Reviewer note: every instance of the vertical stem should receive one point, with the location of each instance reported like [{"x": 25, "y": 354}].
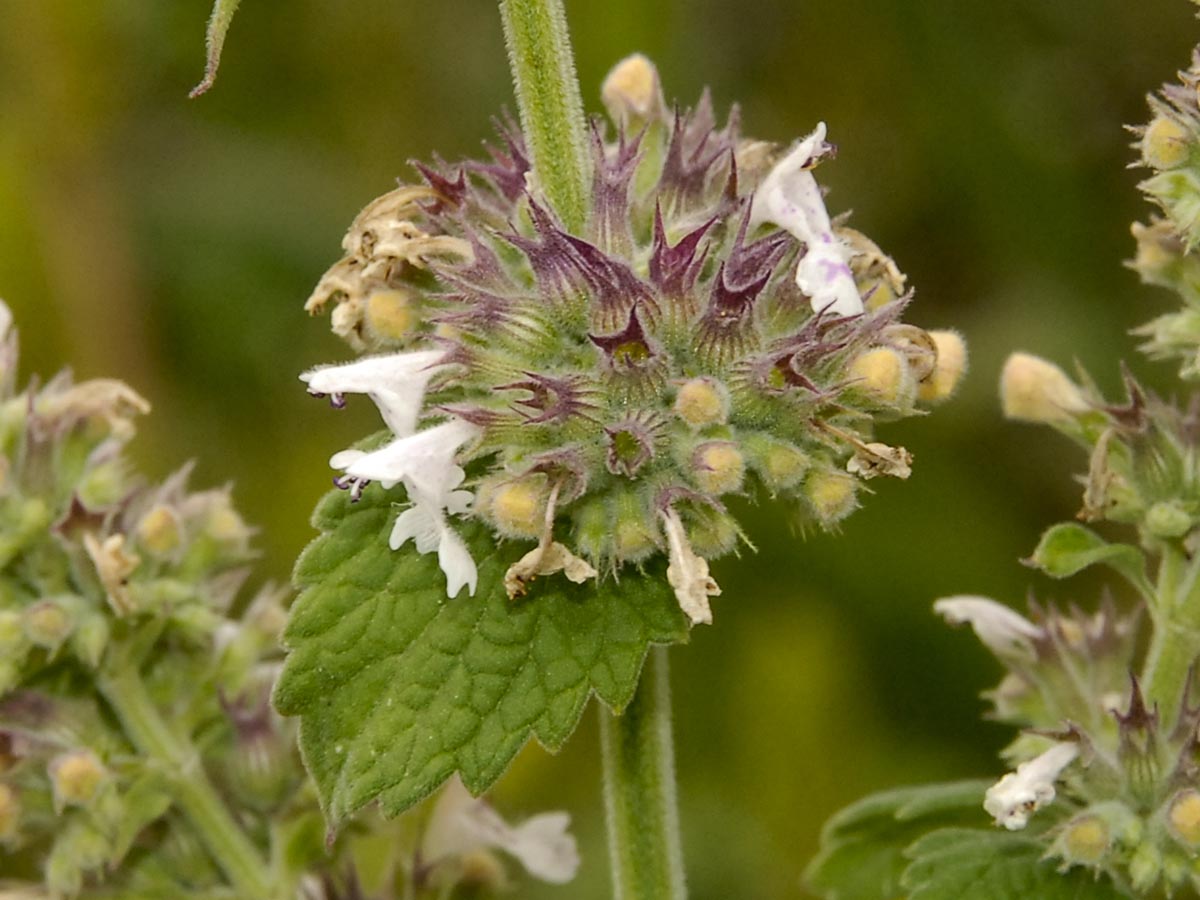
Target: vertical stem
[
  {"x": 1176, "y": 634},
  {"x": 539, "y": 53},
  {"x": 639, "y": 791},
  {"x": 221, "y": 835}
]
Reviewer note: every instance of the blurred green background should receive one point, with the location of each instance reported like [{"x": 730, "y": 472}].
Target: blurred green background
[{"x": 171, "y": 243}]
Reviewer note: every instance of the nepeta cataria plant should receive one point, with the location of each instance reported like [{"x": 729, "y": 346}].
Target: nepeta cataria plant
[
  {"x": 1104, "y": 796},
  {"x": 581, "y": 347}
]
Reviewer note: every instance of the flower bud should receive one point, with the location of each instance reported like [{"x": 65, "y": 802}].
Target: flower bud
[
  {"x": 831, "y": 494},
  {"x": 947, "y": 372},
  {"x": 884, "y": 374},
  {"x": 10, "y": 814},
  {"x": 48, "y": 623},
  {"x": 482, "y": 869},
  {"x": 711, "y": 532},
  {"x": 1085, "y": 840},
  {"x": 1168, "y": 519},
  {"x": 160, "y": 530},
  {"x": 780, "y": 465},
  {"x": 701, "y": 402},
  {"x": 1183, "y": 818},
  {"x": 12, "y": 634},
  {"x": 1166, "y": 143},
  {"x": 391, "y": 315},
  {"x": 718, "y": 467},
  {"x": 90, "y": 638},
  {"x": 633, "y": 538},
  {"x": 225, "y": 525},
  {"x": 1034, "y": 390},
  {"x": 631, "y": 91},
  {"x": 518, "y": 507},
  {"x": 75, "y": 776},
  {"x": 1145, "y": 867}
]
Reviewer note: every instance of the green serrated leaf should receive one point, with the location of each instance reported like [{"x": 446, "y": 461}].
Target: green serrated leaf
[
  {"x": 862, "y": 847},
  {"x": 991, "y": 864},
  {"x": 397, "y": 687},
  {"x": 1068, "y": 548}
]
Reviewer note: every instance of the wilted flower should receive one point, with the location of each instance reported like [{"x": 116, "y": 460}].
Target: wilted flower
[{"x": 606, "y": 390}]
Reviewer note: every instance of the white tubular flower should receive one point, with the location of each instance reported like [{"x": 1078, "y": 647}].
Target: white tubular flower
[
  {"x": 1018, "y": 795},
  {"x": 461, "y": 824},
  {"x": 687, "y": 573},
  {"x": 425, "y": 524},
  {"x": 1003, "y": 631},
  {"x": 396, "y": 383},
  {"x": 791, "y": 198},
  {"x": 422, "y": 461}
]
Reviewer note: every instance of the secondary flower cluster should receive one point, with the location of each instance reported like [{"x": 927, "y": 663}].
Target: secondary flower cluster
[{"x": 710, "y": 331}]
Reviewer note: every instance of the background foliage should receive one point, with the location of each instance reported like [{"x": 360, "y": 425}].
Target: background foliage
[{"x": 172, "y": 243}]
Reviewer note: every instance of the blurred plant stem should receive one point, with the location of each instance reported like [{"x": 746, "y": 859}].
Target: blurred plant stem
[
  {"x": 639, "y": 791},
  {"x": 1175, "y": 643},
  {"x": 221, "y": 835},
  {"x": 543, "y": 68}
]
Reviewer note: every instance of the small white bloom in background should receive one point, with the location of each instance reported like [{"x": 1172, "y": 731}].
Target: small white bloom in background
[
  {"x": 396, "y": 383},
  {"x": 1018, "y": 795},
  {"x": 1003, "y": 631},
  {"x": 687, "y": 573},
  {"x": 791, "y": 198},
  {"x": 460, "y": 824}
]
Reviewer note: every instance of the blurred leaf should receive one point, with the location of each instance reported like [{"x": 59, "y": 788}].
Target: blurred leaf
[
  {"x": 862, "y": 847},
  {"x": 398, "y": 687},
  {"x": 218, "y": 25},
  {"x": 1068, "y": 548},
  {"x": 991, "y": 864}
]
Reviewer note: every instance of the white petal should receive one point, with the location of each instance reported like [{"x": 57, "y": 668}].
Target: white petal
[
  {"x": 395, "y": 382},
  {"x": 1016, "y": 796},
  {"x": 425, "y": 458},
  {"x": 343, "y": 459},
  {"x": 417, "y": 524},
  {"x": 455, "y": 560},
  {"x": 791, "y": 198},
  {"x": 1003, "y": 631},
  {"x": 542, "y": 843}
]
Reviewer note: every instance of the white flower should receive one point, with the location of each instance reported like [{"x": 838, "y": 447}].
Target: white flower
[
  {"x": 1004, "y": 632},
  {"x": 425, "y": 524},
  {"x": 687, "y": 573},
  {"x": 461, "y": 824},
  {"x": 1016, "y": 796},
  {"x": 395, "y": 382},
  {"x": 424, "y": 462},
  {"x": 791, "y": 198}
]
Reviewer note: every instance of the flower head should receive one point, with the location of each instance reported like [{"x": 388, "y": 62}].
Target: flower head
[{"x": 606, "y": 389}]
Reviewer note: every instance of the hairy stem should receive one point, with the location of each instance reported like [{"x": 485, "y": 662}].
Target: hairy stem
[
  {"x": 222, "y": 836},
  {"x": 639, "y": 791},
  {"x": 1176, "y": 636},
  {"x": 543, "y": 68}
]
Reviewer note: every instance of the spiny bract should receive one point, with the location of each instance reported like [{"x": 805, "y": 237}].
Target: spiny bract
[{"x": 709, "y": 331}]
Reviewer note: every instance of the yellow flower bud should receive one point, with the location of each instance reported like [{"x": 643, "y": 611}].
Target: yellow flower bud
[
  {"x": 390, "y": 315},
  {"x": 701, "y": 402},
  {"x": 519, "y": 507},
  {"x": 1034, "y": 390},
  {"x": 1086, "y": 840},
  {"x": 631, "y": 91},
  {"x": 947, "y": 372},
  {"x": 718, "y": 467},
  {"x": 75, "y": 777},
  {"x": 1166, "y": 143},
  {"x": 780, "y": 465},
  {"x": 633, "y": 538},
  {"x": 831, "y": 494},
  {"x": 1183, "y": 817},
  {"x": 160, "y": 530},
  {"x": 10, "y": 813},
  {"x": 47, "y": 623},
  {"x": 884, "y": 374}
]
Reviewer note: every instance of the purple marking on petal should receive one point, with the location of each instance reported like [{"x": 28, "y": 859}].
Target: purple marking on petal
[
  {"x": 337, "y": 401},
  {"x": 317, "y": 394}
]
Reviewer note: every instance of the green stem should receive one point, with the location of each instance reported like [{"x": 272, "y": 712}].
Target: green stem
[
  {"x": 539, "y": 53},
  {"x": 639, "y": 791},
  {"x": 224, "y": 838},
  {"x": 1175, "y": 641}
]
